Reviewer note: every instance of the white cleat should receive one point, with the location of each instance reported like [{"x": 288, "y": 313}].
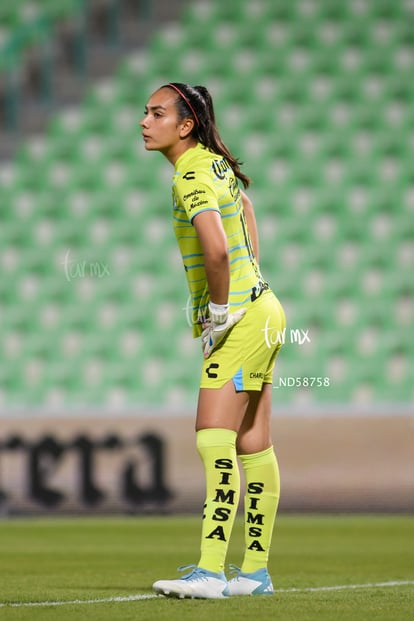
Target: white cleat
[
  {"x": 255, "y": 583},
  {"x": 198, "y": 584}
]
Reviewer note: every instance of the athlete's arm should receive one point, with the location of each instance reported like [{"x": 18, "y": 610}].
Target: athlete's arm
[
  {"x": 251, "y": 223},
  {"x": 213, "y": 242}
]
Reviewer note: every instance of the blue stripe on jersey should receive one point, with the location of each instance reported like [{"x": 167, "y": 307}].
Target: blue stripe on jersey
[
  {"x": 228, "y": 205},
  {"x": 202, "y": 211},
  {"x": 239, "y": 247},
  {"x": 241, "y": 291},
  {"x": 243, "y": 302},
  {"x": 233, "y": 235},
  {"x": 180, "y": 220},
  {"x": 237, "y": 259},
  {"x": 203, "y": 280},
  {"x": 229, "y": 215},
  {"x": 198, "y": 254},
  {"x": 192, "y": 267},
  {"x": 239, "y": 280}
]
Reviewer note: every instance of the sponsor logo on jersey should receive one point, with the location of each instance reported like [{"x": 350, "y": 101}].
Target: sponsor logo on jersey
[
  {"x": 233, "y": 187},
  {"x": 196, "y": 199},
  {"x": 220, "y": 167},
  {"x": 193, "y": 194}
]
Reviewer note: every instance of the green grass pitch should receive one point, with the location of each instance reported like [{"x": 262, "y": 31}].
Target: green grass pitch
[{"x": 357, "y": 568}]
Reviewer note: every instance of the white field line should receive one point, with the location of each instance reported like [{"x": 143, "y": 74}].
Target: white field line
[
  {"x": 343, "y": 587},
  {"x": 75, "y": 602},
  {"x": 134, "y": 598}
]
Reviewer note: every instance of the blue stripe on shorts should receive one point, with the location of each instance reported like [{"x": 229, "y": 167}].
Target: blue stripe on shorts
[{"x": 238, "y": 380}]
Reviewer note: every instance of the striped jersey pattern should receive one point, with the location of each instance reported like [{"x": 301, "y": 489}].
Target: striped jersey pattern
[{"x": 205, "y": 181}]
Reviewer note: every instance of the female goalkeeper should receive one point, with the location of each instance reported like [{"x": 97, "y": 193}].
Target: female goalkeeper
[{"x": 235, "y": 313}]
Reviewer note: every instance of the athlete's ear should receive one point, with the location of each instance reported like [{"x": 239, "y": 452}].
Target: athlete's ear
[{"x": 186, "y": 128}]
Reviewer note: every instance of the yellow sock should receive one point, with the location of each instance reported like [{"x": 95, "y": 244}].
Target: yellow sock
[
  {"x": 217, "y": 449},
  {"x": 260, "y": 506}
]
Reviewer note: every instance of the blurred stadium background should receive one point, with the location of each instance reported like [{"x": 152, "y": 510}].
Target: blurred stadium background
[{"x": 99, "y": 373}]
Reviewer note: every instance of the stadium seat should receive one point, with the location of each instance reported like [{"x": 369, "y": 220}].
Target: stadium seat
[{"x": 321, "y": 118}]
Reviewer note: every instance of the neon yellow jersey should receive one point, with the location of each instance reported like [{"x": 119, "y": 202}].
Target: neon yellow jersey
[{"x": 205, "y": 181}]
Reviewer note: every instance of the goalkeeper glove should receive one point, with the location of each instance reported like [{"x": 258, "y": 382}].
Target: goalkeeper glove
[{"x": 218, "y": 326}]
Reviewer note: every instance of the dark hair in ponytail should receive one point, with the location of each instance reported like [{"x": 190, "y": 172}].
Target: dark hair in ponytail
[{"x": 196, "y": 102}]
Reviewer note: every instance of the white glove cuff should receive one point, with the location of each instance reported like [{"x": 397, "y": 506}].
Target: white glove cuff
[{"x": 218, "y": 312}]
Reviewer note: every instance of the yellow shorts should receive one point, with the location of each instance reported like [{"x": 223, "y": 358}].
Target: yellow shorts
[{"x": 248, "y": 353}]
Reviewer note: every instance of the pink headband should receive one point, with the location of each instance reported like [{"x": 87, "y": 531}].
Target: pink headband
[{"x": 186, "y": 101}]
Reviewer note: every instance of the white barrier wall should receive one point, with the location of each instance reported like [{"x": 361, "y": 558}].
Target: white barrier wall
[{"x": 135, "y": 463}]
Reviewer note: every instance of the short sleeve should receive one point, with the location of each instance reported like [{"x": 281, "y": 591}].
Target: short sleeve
[{"x": 196, "y": 193}]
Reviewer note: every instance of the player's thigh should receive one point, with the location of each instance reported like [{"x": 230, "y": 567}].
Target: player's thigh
[
  {"x": 255, "y": 430},
  {"x": 247, "y": 412},
  {"x": 221, "y": 408}
]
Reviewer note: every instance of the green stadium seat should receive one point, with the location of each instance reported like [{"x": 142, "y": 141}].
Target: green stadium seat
[{"x": 316, "y": 99}]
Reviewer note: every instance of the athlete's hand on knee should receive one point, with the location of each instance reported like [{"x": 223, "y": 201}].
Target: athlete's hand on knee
[{"x": 218, "y": 326}]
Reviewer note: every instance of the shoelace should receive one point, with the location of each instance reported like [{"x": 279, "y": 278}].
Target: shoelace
[
  {"x": 234, "y": 571},
  {"x": 195, "y": 574}
]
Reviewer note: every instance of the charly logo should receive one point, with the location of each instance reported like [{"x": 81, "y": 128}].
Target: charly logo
[
  {"x": 189, "y": 176},
  {"x": 211, "y": 374}
]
